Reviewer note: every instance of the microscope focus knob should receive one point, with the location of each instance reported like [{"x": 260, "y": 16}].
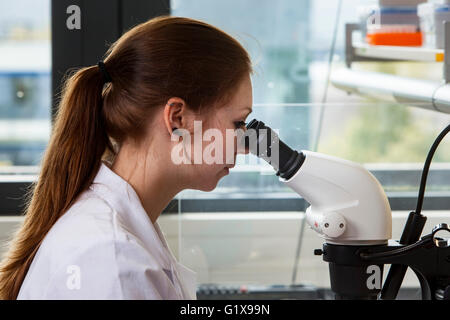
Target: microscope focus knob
[
  {"x": 441, "y": 235},
  {"x": 333, "y": 224},
  {"x": 318, "y": 252}
]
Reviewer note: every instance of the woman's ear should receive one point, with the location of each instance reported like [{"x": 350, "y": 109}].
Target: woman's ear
[{"x": 175, "y": 113}]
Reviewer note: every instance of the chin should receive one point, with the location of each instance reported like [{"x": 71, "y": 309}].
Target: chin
[
  {"x": 208, "y": 188},
  {"x": 209, "y": 184},
  {"x": 208, "y": 180}
]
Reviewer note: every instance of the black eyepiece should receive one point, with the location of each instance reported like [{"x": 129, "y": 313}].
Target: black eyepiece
[{"x": 265, "y": 143}]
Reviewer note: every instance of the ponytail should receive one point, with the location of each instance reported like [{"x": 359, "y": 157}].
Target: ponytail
[{"x": 69, "y": 165}]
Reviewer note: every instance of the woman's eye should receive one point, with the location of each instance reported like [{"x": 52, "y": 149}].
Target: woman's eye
[{"x": 240, "y": 124}]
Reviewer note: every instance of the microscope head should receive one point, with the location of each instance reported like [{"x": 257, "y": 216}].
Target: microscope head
[{"x": 347, "y": 203}]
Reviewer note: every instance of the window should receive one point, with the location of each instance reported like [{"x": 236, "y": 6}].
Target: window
[
  {"x": 25, "y": 83},
  {"x": 296, "y": 46}
]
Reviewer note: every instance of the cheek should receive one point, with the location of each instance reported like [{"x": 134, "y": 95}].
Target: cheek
[
  {"x": 230, "y": 147},
  {"x": 215, "y": 146}
]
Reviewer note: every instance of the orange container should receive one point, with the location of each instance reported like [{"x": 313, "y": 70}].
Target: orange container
[{"x": 395, "y": 38}]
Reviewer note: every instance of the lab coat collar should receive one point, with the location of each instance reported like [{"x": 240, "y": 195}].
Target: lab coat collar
[{"x": 121, "y": 196}]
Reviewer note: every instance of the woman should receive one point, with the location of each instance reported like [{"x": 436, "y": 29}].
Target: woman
[{"x": 90, "y": 229}]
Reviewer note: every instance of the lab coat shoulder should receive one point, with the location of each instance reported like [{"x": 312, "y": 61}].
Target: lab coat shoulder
[
  {"x": 108, "y": 270},
  {"x": 91, "y": 254}
]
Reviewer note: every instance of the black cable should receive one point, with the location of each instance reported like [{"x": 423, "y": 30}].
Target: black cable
[
  {"x": 386, "y": 254},
  {"x": 413, "y": 228},
  {"x": 426, "y": 168}
]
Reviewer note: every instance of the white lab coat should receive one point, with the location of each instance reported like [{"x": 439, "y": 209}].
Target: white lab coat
[{"x": 106, "y": 247}]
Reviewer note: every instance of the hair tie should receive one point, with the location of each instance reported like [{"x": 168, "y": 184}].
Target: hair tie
[{"x": 106, "y": 76}]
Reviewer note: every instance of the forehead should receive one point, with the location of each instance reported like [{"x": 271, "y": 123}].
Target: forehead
[
  {"x": 242, "y": 97},
  {"x": 238, "y": 105}
]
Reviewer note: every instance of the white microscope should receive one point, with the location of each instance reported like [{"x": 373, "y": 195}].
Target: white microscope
[{"x": 350, "y": 210}]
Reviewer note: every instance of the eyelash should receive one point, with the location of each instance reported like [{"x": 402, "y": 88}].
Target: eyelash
[{"x": 240, "y": 124}]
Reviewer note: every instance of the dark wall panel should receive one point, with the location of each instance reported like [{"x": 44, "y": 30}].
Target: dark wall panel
[{"x": 102, "y": 22}]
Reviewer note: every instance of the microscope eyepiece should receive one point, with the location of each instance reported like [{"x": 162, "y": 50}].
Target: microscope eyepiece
[{"x": 265, "y": 143}]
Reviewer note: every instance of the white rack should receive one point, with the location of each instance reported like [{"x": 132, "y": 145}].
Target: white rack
[
  {"x": 398, "y": 53},
  {"x": 433, "y": 95}
]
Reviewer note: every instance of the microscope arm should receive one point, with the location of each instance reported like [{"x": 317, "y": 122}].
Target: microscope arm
[{"x": 348, "y": 204}]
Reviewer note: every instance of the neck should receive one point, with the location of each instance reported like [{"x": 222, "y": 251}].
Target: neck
[{"x": 154, "y": 182}]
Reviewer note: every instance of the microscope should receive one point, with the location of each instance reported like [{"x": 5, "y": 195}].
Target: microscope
[{"x": 350, "y": 211}]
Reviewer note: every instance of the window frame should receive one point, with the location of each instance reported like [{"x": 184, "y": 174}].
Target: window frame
[{"x": 13, "y": 193}]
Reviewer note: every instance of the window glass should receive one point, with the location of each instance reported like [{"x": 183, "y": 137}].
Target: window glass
[
  {"x": 25, "y": 83},
  {"x": 296, "y": 47}
]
